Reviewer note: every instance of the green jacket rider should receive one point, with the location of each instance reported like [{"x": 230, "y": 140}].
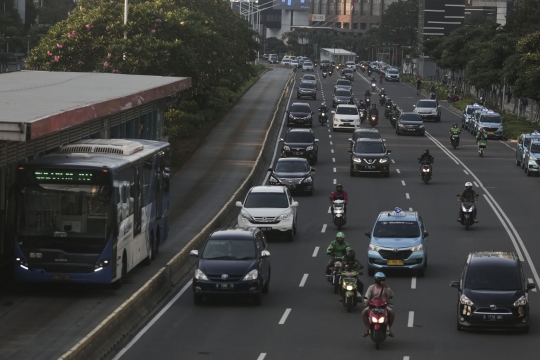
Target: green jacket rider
[
  {"x": 454, "y": 130},
  {"x": 481, "y": 135},
  {"x": 337, "y": 248}
]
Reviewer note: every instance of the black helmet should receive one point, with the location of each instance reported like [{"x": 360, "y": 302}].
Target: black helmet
[
  {"x": 350, "y": 255},
  {"x": 373, "y": 106},
  {"x": 394, "y": 107},
  {"x": 454, "y": 125},
  {"x": 388, "y": 99},
  {"x": 426, "y": 151},
  {"x": 339, "y": 187}
]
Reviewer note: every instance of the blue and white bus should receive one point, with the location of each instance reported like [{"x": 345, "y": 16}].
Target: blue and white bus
[{"x": 92, "y": 211}]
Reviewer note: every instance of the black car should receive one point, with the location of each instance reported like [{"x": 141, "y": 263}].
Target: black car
[
  {"x": 307, "y": 88},
  {"x": 294, "y": 173},
  {"x": 233, "y": 261},
  {"x": 300, "y": 114},
  {"x": 347, "y": 74},
  {"x": 410, "y": 123},
  {"x": 325, "y": 64},
  {"x": 300, "y": 143},
  {"x": 342, "y": 96},
  {"x": 364, "y": 133},
  {"x": 493, "y": 292},
  {"x": 370, "y": 156}
]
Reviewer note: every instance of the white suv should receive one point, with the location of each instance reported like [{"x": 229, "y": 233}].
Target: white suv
[
  {"x": 350, "y": 65},
  {"x": 346, "y": 116},
  {"x": 270, "y": 208}
]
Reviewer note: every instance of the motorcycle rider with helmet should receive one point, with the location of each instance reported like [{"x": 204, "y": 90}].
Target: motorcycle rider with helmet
[
  {"x": 351, "y": 264},
  {"x": 468, "y": 193},
  {"x": 379, "y": 290},
  {"x": 394, "y": 110},
  {"x": 426, "y": 157},
  {"x": 339, "y": 194},
  {"x": 337, "y": 248},
  {"x": 323, "y": 109},
  {"x": 382, "y": 92},
  {"x": 454, "y": 130},
  {"x": 374, "y": 110}
]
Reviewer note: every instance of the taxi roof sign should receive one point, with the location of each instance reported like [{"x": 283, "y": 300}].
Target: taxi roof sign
[{"x": 397, "y": 212}]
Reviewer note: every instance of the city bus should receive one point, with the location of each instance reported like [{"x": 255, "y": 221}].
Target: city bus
[{"x": 92, "y": 211}]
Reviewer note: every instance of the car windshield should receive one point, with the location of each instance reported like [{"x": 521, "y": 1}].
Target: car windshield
[
  {"x": 491, "y": 119},
  {"x": 527, "y": 140},
  {"x": 426, "y": 104},
  {"x": 471, "y": 110},
  {"x": 299, "y": 137},
  {"x": 396, "y": 229},
  {"x": 493, "y": 278},
  {"x": 535, "y": 148},
  {"x": 291, "y": 166},
  {"x": 347, "y": 110},
  {"x": 229, "y": 250},
  {"x": 300, "y": 108},
  {"x": 369, "y": 148},
  {"x": 309, "y": 77},
  {"x": 411, "y": 117},
  {"x": 307, "y": 86},
  {"x": 343, "y": 82},
  {"x": 341, "y": 92},
  {"x": 266, "y": 200},
  {"x": 366, "y": 135}
]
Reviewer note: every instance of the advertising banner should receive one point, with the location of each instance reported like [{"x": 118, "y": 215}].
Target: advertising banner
[{"x": 292, "y": 4}]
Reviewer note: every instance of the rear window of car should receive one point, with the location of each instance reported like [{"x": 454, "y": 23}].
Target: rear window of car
[
  {"x": 299, "y": 136},
  {"x": 527, "y": 140},
  {"x": 310, "y": 77},
  {"x": 411, "y": 117},
  {"x": 347, "y": 71},
  {"x": 300, "y": 108},
  {"x": 393, "y": 71},
  {"x": 347, "y": 110},
  {"x": 535, "y": 148},
  {"x": 291, "y": 166},
  {"x": 396, "y": 229},
  {"x": 369, "y": 148},
  {"x": 307, "y": 86},
  {"x": 343, "y": 82},
  {"x": 266, "y": 200},
  {"x": 491, "y": 119},
  {"x": 229, "y": 250},
  {"x": 426, "y": 104},
  {"x": 366, "y": 135},
  {"x": 341, "y": 92},
  {"x": 493, "y": 278},
  {"x": 471, "y": 110}
]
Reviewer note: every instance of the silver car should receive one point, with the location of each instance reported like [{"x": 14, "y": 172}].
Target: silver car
[
  {"x": 307, "y": 66},
  {"x": 532, "y": 158},
  {"x": 468, "y": 114},
  {"x": 523, "y": 146},
  {"x": 428, "y": 109}
]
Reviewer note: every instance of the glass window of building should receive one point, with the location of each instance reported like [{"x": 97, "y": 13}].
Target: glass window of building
[
  {"x": 365, "y": 8},
  {"x": 339, "y": 8},
  {"x": 376, "y": 8}
]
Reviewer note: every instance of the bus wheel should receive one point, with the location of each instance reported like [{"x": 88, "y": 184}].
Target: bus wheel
[{"x": 150, "y": 256}]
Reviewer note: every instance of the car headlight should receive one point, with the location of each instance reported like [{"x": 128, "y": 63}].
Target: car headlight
[
  {"x": 309, "y": 148},
  {"x": 434, "y": 111},
  {"x": 382, "y": 161},
  {"x": 532, "y": 158},
  {"x": 308, "y": 117},
  {"x": 373, "y": 247},
  {"x": 421, "y": 126},
  {"x": 357, "y": 160},
  {"x": 309, "y": 179},
  {"x": 199, "y": 275},
  {"x": 401, "y": 125},
  {"x": 522, "y": 301},
  {"x": 465, "y": 300},
  {"x": 285, "y": 216},
  {"x": 500, "y": 126},
  {"x": 252, "y": 275},
  {"x": 417, "y": 247},
  {"x": 246, "y": 216},
  {"x": 100, "y": 265},
  {"x": 286, "y": 148}
]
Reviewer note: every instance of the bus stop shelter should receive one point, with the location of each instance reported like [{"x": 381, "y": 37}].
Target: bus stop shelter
[{"x": 42, "y": 111}]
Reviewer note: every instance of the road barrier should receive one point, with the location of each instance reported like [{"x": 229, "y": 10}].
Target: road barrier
[{"x": 133, "y": 311}]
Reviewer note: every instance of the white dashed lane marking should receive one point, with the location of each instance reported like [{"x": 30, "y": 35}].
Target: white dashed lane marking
[
  {"x": 465, "y": 171},
  {"x": 410, "y": 323},
  {"x": 303, "y": 281},
  {"x": 403, "y": 182},
  {"x": 399, "y": 172},
  {"x": 407, "y": 195},
  {"x": 323, "y": 228},
  {"x": 316, "y": 251},
  {"x": 284, "y": 317},
  {"x": 413, "y": 282}
]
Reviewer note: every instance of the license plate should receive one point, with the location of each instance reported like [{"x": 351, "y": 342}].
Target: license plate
[
  {"x": 493, "y": 317},
  {"x": 370, "y": 167},
  {"x": 297, "y": 153},
  {"x": 411, "y": 130},
  {"x": 292, "y": 186},
  {"x": 225, "y": 286},
  {"x": 266, "y": 228},
  {"x": 394, "y": 262},
  {"x": 490, "y": 133},
  {"x": 60, "y": 277}
]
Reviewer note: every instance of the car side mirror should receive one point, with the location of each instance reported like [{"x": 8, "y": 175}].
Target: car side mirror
[
  {"x": 438, "y": 106},
  {"x": 454, "y": 284},
  {"x": 194, "y": 253},
  {"x": 368, "y": 234},
  {"x": 349, "y": 150},
  {"x": 350, "y": 140},
  {"x": 333, "y": 112},
  {"x": 281, "y": 140},
  {"x": 316, "y": 140},
  {"x": 294, "y": 204},
  {"x": 530, "y": 286},
  {"x": 265, "y": 253},
  {"x": 270, "y": 169},
  {"x": 238, "y": 204},
  {"x": 426, "y": 234},
  {"x": 298, "y": 87},
  {"x": 414, "y": 106},
  {"x": 313, "y": 169}
]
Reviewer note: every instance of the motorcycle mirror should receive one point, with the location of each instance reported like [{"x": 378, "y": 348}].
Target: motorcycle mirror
[
  {"x": 368, "y": 234},
  {"x": 316, "y": 140},
  {"x": 454, "y": 284},
  {"x": 281, "y": 140},
  {"x": 194, "y": 253},
  {"x": 238, "y": 204},
  {"x": 269, "y": 169}
]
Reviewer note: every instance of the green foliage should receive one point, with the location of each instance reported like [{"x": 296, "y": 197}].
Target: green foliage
[
  {"x": 524, "y": 18},
  {"x": 515, "y": 125},
  {"x": 523, "y": 68},
  {"x": 181, "y": 125},
  {"x": 275, "y": 45},
  {"x": 399, "y": 23},
  {"x": 188, "y": 106}
]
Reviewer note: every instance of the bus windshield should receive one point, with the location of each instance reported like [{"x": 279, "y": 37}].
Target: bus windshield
[{"x": 72, "y": 217}]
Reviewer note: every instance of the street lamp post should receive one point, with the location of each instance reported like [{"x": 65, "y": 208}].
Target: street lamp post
[
  {"x": 7, "y": 43},
  {"x": 28, "y": 48}
]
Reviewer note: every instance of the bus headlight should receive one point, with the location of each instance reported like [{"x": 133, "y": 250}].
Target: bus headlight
[{"x": 101, "y": 264}]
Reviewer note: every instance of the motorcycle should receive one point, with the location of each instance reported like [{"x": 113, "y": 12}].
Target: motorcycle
[
  {"x": 369, "y": 72},
  {"x": 482, "y": 144},
  {"x": 393, "y": 119},
  {"x": 426, "y": 173},
  {"x": 378, "y": 321},
  {"x": 373, "y": 86},
  {"x": 453, "y": 98},
  {"x": 330, "y": 72},
  {"x": 387, "y": 109},
  {"x": 432, "y": 95},
  {"x": 467, "y": 210},
  {"x": 368, "y": 100},
  {"x": 349, "y": 289},
  {"x": 382, "y": 99},
  {"x": 338, "y": 211},
  {"x": 323, "y": 118},
  {"x": 324, "y": 74},
  {"x": 335, "y": 275},
  {"x": 373, "y": 120},
  {"x": 363, "y": 114},
  {"x": 454, "y": 140}
]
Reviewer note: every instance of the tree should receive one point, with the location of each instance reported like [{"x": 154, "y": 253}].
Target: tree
[
  {"x": 523, "y": 68},
  {"x": 524, "y": 18},
  {"x": 275, "y": 45},
  {"x": 399, "y": 23}
]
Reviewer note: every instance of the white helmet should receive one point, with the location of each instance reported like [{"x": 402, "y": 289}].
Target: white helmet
[
  {"x": 468, "y": 185},
  {"x": 382, "y": 89}
]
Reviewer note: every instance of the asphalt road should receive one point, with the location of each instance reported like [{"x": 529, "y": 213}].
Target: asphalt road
[
  {"x": 44, "y": 321},
  {"x": 301, "y": 318}
]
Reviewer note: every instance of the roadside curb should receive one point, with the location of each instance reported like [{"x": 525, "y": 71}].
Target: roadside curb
[{"x": 133, "y": 311}]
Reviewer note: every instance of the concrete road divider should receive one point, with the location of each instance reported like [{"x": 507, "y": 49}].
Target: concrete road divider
[{"x": 133, "y": 311}]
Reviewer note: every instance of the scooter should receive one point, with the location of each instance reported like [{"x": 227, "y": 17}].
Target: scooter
[
  {"x": 373, "y": 120},
  {"x": 453, "y": 98},
  {"x": 432, "y": 95},
  {"x": 349, "y": 289},
  {"x": 338, "y": 207},
  {"x": 467, "y": 210},
  {"x": 393, "y": 120},
  {"x": 454, "y": 140},
  {"x": 335, "y": 275},
  {"x": 363, "y": 115},
  {"x": 382, "y": 99},
  {"x": 368, "y": 101},
  {"x": 426, "y": 171},
  {"x": 369, "y": 72},
  {"x": 323, "y": 118},
  {"x": 378, "y": 321},
  {"x": 482, "y": 144},
  {"x": 330, "y": 72},
  {"x": 324, "y": 74},
  {"x": 373, "y": 86},
  {"x": 388, "y": 108}
]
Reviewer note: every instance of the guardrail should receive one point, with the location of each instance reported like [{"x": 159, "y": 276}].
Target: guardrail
[{"x": 128, "y": 315}]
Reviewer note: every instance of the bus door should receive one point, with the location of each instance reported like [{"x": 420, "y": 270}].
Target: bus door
[
  {"x": 159, "y": 177},
  {"x": 137, "y": 202}
]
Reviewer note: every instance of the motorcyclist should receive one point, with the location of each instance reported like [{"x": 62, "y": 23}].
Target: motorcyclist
[
  {"x": 337, "y": 248},
  {"x": 323, "y": 108},
  {"x": 426, "y": 157},
  {"x": 418, "y": 85},
  {"x": 394, "y": 110},
  {"x": 454, "y": 130},
  {"x": 381, "y": 77},
  {"x": 481, "y": 135},
  {"x": 379, "y": 290},
  {"x": 382, "y": 92},
  {"x": 374, "y": 110},
  {"x": 470, "y": 194},
  {"x": 339, "y": 194},
  {"x": 367, "y": 93},
  {"x": 373, "y": 79},
  {"x": 361, "y": 104},
  {"x": 350, "y": 264}
]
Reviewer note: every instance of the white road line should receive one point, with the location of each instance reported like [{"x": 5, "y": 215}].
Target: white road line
[
  {"x": 410, "y": 209},
  {"x": 399, "y": 172},
  {"x": 500, "y": 211},
  {"x": 331, "y": 143},
  {"x": 323, "y": 228},
  {"x": 315, "y": 252},
  {"x": 284, "y": 317},
  {"x": 407, "y": 195},
  {"x": 333, "y": 159},
  {"x": 475, "y": 183},
  {"x": 152, "y": 322},
  {"x": 328, "y": 130},
  {"x": 465, "y": 171},
  {"x": 303, "y": 281},
  {"x": 406, "y": 358},
  {"x": 531, "y": 280},
  {"x": 403, "y": 182},
  {"x": 411, "y": 319},
  {"x": 413, "y": 282},
  {"x": 330, "y": 136},
  {"x": 263, "y": 355},
  {"x": 335, "y": 181},
  {"x": 393, "y": 162},
  {"x": 332, "y": 151},
  {"x": 502, "y": 142},
  {"x": 334, "y": 169}
]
